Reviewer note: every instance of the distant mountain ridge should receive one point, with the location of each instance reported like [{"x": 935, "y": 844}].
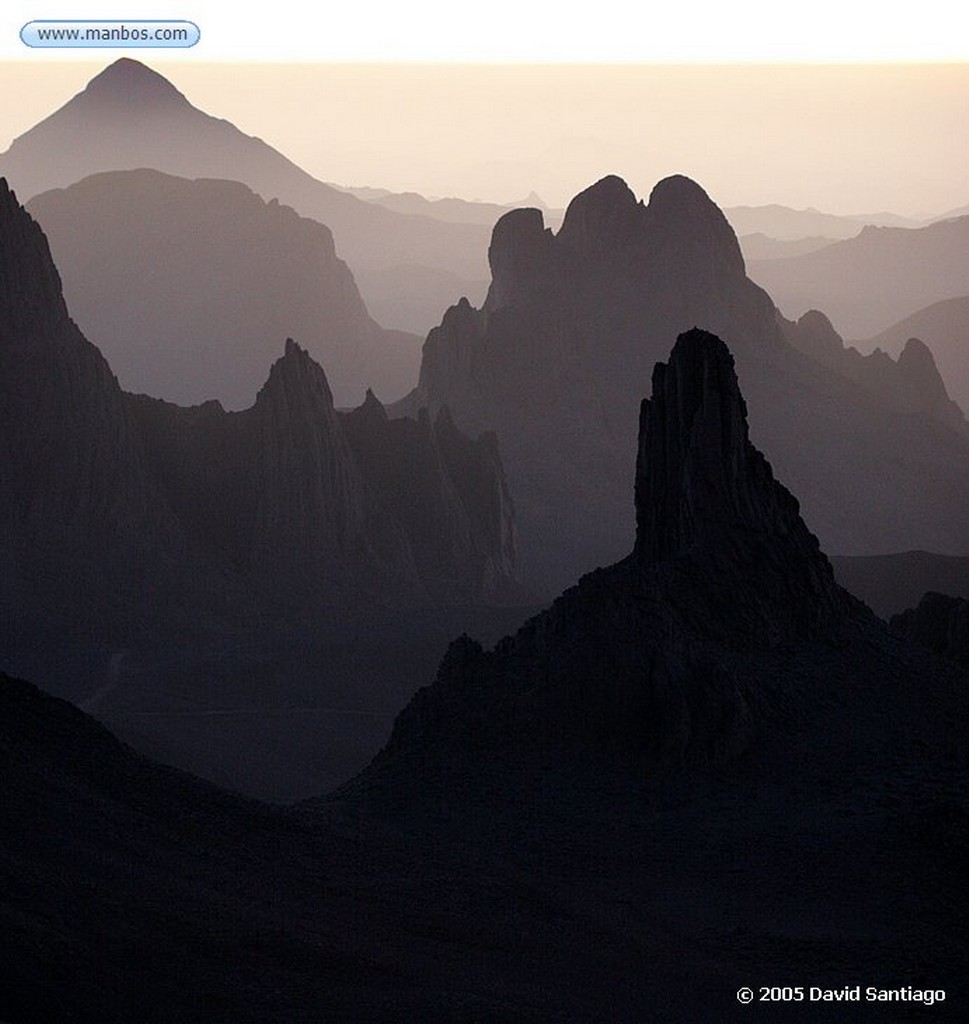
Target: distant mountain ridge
[
  {"x": 173, "y": 519},
  {"x": 786, "y": 224},
  {"x": 911, "y": 380},
  {"x": 130, "y": 117},
  {"x": 867, "y": 283},
  {"x": 573, "y": 321},
  {"x": 944, "y": 327},
  {"x": 187, "y": 287}
]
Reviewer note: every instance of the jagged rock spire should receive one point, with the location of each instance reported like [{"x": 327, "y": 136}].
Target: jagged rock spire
[{"x": 705, "y": 495}]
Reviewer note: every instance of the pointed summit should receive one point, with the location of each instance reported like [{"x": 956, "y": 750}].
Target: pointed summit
[
  {"x": 128, "y": 83},
  {"x": 297, "y": 382},
  {"x": 707, "y": 498},
  {"x": 699, "y": 479}
]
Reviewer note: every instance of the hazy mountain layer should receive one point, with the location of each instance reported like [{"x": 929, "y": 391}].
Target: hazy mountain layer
[
  {"x": 866, "y": 284},
  {"x": 187, "y": 287},
  {"x": 556, "y": 359},
  {"x": 704, "y": 767},
  {"x": 944, "y": 327},
  {"x": 911, "y": 380},
  {"x": 168, "y": 518},
  {"x": 762, "y": 247},
  {"x": 129, "y": 117},
  {"x": 782, "y": 223}
]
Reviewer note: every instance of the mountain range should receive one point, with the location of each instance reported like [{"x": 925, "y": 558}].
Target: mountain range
[
  {"x": 944, "y": 327},
  {"x": 186, "y": 287},
  {"x": 573, "y": 321},
  {"x": 867, "y": 283},
  {"x": 129, "y": 117},
  {"x": 285, "y": 503},
  {"x": 702, "y": 767}
]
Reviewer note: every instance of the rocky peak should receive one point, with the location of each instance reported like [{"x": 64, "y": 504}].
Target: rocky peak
[
  {"x": 816, "y": 336},
  {"x": 372, "y": 406},
  {"x": 601, "y": 219},
  {"x": 707, "y": 497},
  {"x": 129, "y": 84},
  {"x": 520, "y": 252},
  {"x": 296, "y": 380},
  {"x": 922, "y": 378},
  {"x": 686, "y": 226}
]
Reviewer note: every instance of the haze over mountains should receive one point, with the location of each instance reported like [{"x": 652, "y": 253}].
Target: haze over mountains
[
  {"x": 187, "y": 288},
  {"x": 705, "y": 765},
  {"x": 572, "y": 323},
  {"x": 944, "y": 327},
  {"x": 278, "y": 493},
  {"x": 586, "y": 822},
  {"x": 130, "y": 117},
  {"x": 866, "y": 284}
]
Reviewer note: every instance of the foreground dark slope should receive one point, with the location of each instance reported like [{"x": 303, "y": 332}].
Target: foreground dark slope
[
  {"x": 704, "y": 768},
  {"x": 560, "y": 354},
  {"x": 251, "y": 594}
]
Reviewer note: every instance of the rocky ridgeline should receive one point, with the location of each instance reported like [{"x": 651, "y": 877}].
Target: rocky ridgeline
[
  {"x": 167, "y": 518},
  {"x": 651, "y": 659},
  {"x": 559, "y": 355}
]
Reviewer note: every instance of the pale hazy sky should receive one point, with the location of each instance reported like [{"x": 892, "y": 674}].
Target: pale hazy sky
[
  {"x": 842, "y": 138},
  {"x": 760, "y": 124}
]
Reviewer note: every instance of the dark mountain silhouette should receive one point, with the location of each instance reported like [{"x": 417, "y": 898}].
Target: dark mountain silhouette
[
  {"x": 687, "y": 722},
  {"x": 162, "y": 514},
  {"x": 636, "y": 661},
  {"x": 867, "y": 283},
  {"x": 944, "y": 327},
  {"x": 940, "y": 623},
  {"x": 910, "y": 381},
  {"x": 82, "y": 512},
  {"x": 555, "y": 359},
  {"x": 186, "y": 287},
  {"x": 253, "y": 594},
  {"x": 890, "y": 584},
  {"x": 704, "y": 766},
  {"x": 130, "y": 117}
]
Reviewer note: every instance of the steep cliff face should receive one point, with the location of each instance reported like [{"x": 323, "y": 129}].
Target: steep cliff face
[
  {"x": 707, "y": 498},
  {"x": 655, "y": 658},
  {"x": 129, "y": 516},
  {"x": 447, "y": 493},
  {"x": 556, "y": 361},
  {"x": 307, "y": 508},
  {"x": 80, "y": 513}
]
